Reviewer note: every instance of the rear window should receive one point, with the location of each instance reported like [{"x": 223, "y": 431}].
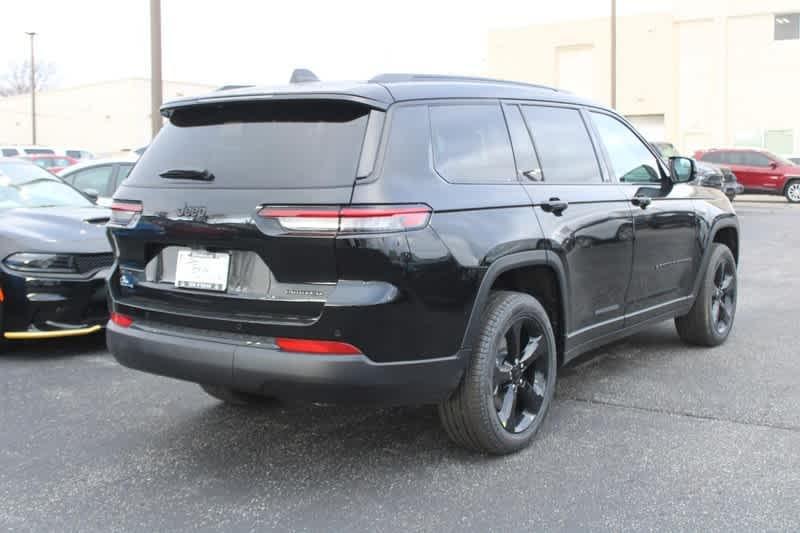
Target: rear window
[
  {"x": 9, "y": 152},
  {"x": 288, "y": 144},
  {"x": 35, "y": 151}
]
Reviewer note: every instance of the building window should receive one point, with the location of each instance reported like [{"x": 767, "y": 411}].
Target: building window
[{"x": 787, "y": 26}]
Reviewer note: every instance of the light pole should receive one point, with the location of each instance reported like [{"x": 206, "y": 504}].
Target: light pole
[
  {"x": 32, "y": 34},
  {"x": 613, "y": 54},
  {"x": 155, "y": 65}
]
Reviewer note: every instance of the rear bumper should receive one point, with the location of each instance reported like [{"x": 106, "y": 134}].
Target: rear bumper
[{"x": 260, "y": 367}]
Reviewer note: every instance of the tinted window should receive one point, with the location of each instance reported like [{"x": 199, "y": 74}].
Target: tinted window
[
  {"x": 294, "y": 144},
  {"x": 124, "y": 170},
  {"x": 34, "y": 151},
  {"x": 26, "y": 185},
  {"x": 9, "y": 152},
  {"x": 631, "y": 161},
  {"x": 712, "y": 157},
  {"x": 470, "y": 143},
  {"x": 754, "y": 159},
  {"x": 527, "y": 163},
  {"x": 77, "y": 154},
  {"x": 563, "y": 145},
  {"x": 95, "y": 178}
]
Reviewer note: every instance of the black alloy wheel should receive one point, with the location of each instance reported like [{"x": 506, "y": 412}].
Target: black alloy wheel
[
  {"x": 520, "y": 375},
  {"x": 710, "y": 320},
  {"x": 723, "y": 297},
  {"x": 510, "y": 378}
]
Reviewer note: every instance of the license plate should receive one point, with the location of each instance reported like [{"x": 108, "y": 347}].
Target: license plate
[{"x": 197, "y": 269}]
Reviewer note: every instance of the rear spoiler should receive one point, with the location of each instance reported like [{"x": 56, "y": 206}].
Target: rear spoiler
[{"x": 211, "y": 99}]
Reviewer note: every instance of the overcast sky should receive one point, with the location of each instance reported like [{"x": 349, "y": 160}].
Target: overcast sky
[{"x": 261, "y": 41}]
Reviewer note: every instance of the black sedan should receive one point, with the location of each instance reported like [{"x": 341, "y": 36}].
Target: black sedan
[{"x": 54, "y": 256}]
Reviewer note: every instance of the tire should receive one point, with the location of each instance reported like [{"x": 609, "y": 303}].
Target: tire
[
  {"x": 792, "y": 191},
  {"x": 710, "y": 320},
  {"x": 234, "y": 397},
  {"x": 473, "y": 413}
]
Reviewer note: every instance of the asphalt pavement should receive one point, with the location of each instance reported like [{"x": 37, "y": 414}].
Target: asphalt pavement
[{"x": 647, "y": 434}]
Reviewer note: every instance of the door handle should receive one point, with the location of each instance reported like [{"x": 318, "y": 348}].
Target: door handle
[
  {"x": 641, "y": 201},
  {"x": 555, "y": 206}
]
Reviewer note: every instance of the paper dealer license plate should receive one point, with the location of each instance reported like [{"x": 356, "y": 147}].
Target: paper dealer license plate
[{"x": 198, "y": 269}]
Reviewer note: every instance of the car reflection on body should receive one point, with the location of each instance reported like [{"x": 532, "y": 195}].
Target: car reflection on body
[{"x": 54, "y": 256}]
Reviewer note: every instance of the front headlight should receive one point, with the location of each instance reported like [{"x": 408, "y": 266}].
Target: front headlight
[
  {"x": 710, "y": 180},
  {"x": 40, "y": 262}
]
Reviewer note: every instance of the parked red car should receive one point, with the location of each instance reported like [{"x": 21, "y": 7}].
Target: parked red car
[
  {"x": 51, "y": 162},
  {"x": 758, "y": 171}
]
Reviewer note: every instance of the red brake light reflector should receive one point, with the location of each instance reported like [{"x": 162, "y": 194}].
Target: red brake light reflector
[
  {"x": 125, "y": 214},
  {"x": 357, "y": 219},
  {"x": 316, "y": 347},
  {"x": 123, "y": 321}
]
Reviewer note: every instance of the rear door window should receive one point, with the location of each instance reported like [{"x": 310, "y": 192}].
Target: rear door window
[
  {"x": 754, "y": 159},
  {"x": 10, "y": 152},
  {"x": 288, "y": 144},
  {"x": 95, "y": 179},
  {"x": 471, "y": 143},
  {"x": 562, "y": 142}
]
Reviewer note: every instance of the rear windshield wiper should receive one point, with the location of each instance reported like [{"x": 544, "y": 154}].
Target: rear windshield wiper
[{"x": 187, "y": 174}]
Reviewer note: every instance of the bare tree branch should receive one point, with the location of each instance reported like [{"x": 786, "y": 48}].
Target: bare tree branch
[{"x": 17, "y": 80}]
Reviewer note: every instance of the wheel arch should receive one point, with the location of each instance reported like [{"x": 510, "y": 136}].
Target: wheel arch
[
  {"x": 724, "y": 231},
  {"x": 537, "y": 273},
  {"x": 788, "y": 181}
]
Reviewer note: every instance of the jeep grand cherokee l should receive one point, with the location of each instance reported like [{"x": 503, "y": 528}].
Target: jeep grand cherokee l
[{"x": 408, "y": 240}]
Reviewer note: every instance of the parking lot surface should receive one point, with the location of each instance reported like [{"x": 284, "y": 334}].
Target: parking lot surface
[{"x": 645, "y": 434}]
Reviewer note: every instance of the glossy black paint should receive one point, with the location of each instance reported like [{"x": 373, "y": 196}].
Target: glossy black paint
[
  {"x": 622, "y": 256},
  {"x": 47, "y": 301}
]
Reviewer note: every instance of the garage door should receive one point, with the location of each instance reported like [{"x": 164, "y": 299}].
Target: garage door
[{"x": 651, "y": 126}]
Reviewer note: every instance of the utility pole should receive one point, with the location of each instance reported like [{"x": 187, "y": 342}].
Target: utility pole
[
  {"x": 155, "y": 65},
  {"x": 613, "y": 54},
  {"x": 32, "y": 34}
]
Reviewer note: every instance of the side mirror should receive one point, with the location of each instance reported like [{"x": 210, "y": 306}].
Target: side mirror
[
  {"x": 682, "y": 169},
  {"x": 92, "y": 194}
]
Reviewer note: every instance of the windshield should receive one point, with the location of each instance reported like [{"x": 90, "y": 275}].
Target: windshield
[
  {"x": 666, "y": 150},
  {"x": 26, "y": 185},
  {"x": 782, "y": 161}
]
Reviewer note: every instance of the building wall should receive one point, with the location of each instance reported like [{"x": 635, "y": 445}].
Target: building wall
[
  {"x": 102, "y": 117},
  {"x": 700, "y": 74}
]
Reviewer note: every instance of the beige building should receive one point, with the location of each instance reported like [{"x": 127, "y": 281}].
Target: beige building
[
  {"x": 105, "y": 117},
  {"x": 705, "y": 73}
]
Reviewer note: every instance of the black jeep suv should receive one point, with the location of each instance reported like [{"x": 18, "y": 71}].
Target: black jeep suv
[{"x": 408, "y": 240}]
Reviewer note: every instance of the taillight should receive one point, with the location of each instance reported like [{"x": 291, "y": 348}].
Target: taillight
[
  {"x": 316, "y": 347},
  {"x": 123, "y": 321},
  {"x": 125, "y": 214},
  {"x": 356, "y": 219}
]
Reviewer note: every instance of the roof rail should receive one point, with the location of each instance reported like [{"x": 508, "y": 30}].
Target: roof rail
[
  {"x": 229, "y": 87},
  {"x": 396, "y": 78}
]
